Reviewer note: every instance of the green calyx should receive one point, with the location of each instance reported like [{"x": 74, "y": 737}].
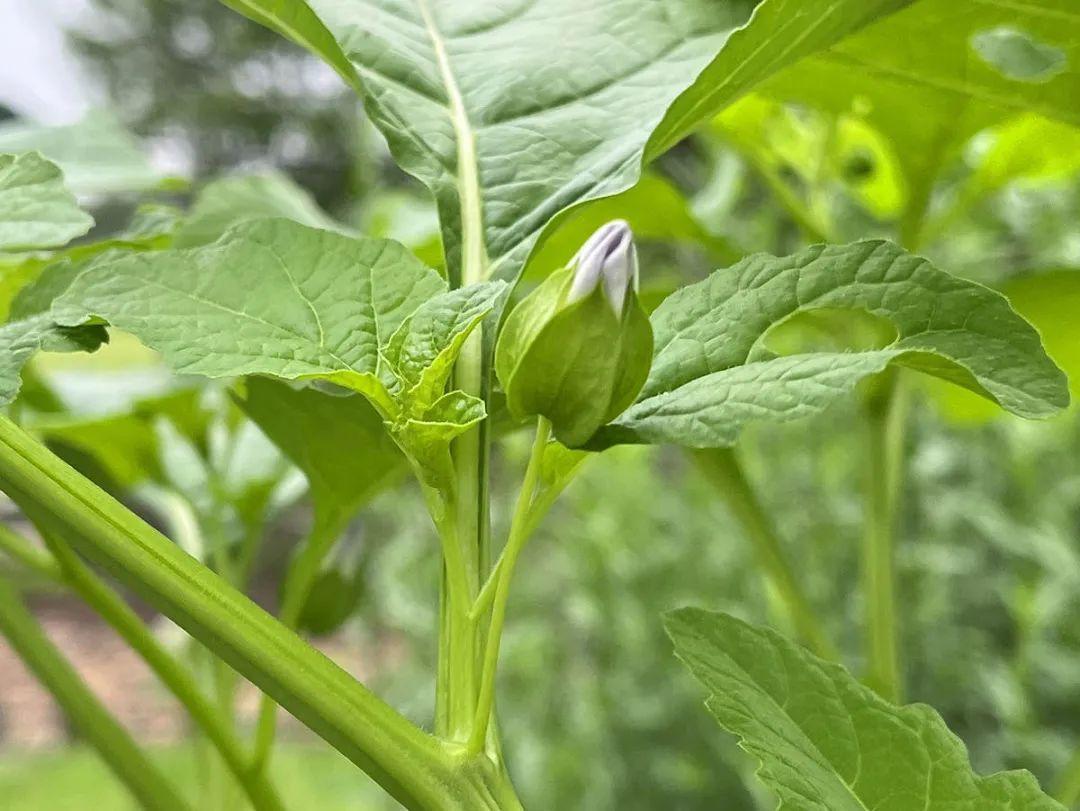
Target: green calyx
[{"x": 578, "y": 361}]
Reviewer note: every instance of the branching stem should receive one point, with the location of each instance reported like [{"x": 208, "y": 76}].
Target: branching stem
[
  {"x": 723, "y": 469},
  {"x": 520, "y": 525},
  {"x": 885, "y": 416}
]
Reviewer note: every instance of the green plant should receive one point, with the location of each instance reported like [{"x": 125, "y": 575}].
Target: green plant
[{"x": 358, "y": 361}]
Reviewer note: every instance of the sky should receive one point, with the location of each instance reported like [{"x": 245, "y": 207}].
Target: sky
[{"x": 39, "y": 78}]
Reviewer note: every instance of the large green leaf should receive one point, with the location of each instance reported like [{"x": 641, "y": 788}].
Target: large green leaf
[
  {"x": 823, "y": 740},
  {"x": 96, "y": 154},
  {"x": 928, "y": 79},
  {"x": 272, "y": 297},
  {"x": 151, "y": 229},
  {"x": 713, "y": 370},
  {"x": 276, "y": 298},
  {"x": 227, "y": 201},
  {"x": 36, "y": 209},
  {"x": 510, "y": 113},
  {"x": 339, "y": 443}
]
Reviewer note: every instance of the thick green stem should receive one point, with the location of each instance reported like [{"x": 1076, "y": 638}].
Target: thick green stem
[
  {"x": 885, "y": 413},
  {"x": 421, "y": 772},
  {"x": 456, "y": 676},
  {"x": 723, "y": 468},
  {"x": 82, "y": 708},
  {"x": 466, "y": 544},
  {"x": 296, "y": 589},
  {"x": 119, "y": 615},
  {"x": 519, "y": 534}
]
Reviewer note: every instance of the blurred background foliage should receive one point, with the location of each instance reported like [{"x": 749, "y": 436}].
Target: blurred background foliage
[{"x": 597, "y": 713}]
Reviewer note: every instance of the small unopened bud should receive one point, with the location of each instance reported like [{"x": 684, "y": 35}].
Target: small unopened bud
[
  {"x": 577, "y": 350},
  {"x": 608, "y": 257}
]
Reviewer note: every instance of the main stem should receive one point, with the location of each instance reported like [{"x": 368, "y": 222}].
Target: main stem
[
  {"x": 885, "y": 414},
  {"x": 82, "y": 707},
  {"x": 723, "y": 468},
  {"x": 458, "y": 653}
]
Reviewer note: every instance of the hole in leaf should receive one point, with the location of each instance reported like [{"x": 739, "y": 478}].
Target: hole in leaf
[
  {"x": 858, "y": 165},
  {"x": 1017, "y": 56},
  {"x": 830, "y": 330}
]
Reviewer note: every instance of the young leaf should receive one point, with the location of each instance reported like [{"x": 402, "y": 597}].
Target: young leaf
[
  {"x": 427, "y": 437},
  {"x": 423, "y": 350},
  {"x": 271, "y": 297},
  {"x": 712, "y": 371},
  {"x": 512, "y": 115},
  {"x": 823, "y": 740},
  {"x": 36, "y": 210},
  {"x": 339, "y": 443}
]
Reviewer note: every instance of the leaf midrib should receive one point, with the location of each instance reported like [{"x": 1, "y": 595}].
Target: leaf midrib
[{"x": 473, "y": 249}]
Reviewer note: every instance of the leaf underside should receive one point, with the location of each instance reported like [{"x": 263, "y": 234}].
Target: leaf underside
[{"x": 513, "y": 112}]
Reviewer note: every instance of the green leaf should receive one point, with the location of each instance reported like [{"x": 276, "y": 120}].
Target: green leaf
[
  {"x": 36, "y": 209},
  {"x": 30, "y": 328},
  {"x": 339, "y": 443},
  {"x": 918, "y": 77},
  {"x": 29, "y": 285},
  {"x": 96, "y": 154},
  {"x": 511, "y": 115},
  {"x": 823, "y": 740},
  {"x": 423, "y": 350},
  {"x": 426, "y": 438},
  {"x": 1049, "y": 300},
  {"x": 334, "y": 596},
  {"x": 271, "y": 297},
  {"x": 151, "y": 229},
  {"x": 227, "y": 201},
  {"x": 713, "y": 371},
  {"x": 122, "y": 447}
]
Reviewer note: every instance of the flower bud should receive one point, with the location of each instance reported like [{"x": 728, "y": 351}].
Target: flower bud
[{"x": 577, "y": 349}]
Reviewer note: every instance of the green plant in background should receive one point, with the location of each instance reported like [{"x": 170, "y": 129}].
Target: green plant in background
[{"x": 358, "y": 362}]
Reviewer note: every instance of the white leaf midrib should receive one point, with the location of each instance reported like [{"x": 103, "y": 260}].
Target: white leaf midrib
[{"x": 473, "y": 250}]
